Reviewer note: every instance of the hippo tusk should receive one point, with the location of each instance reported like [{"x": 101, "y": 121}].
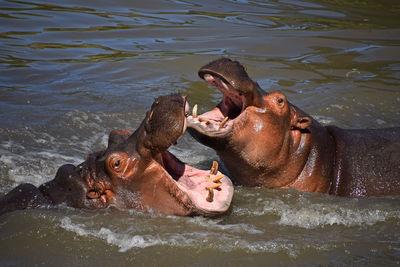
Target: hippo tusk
[
  {"x": 103, "y": 199},
  {"x": 216, "y": 178},
  {"x": 214, "y": 168},
  {"x": 213, "y": 186},
  {"x": 210, "y": 196},
  {"x": 210, "y": 189},
  {"x": 194, "y": 111},
  {"x": 204, "y": 119},
  {"x": 223, "y": 122}
]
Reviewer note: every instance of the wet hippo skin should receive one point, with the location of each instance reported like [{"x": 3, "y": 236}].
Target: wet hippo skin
[
  {"x": 135, "y": 171},
  {"x": 263, "y": 140}
]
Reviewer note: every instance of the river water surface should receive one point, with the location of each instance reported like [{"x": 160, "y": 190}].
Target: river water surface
[{"x": 71, "y": 71}]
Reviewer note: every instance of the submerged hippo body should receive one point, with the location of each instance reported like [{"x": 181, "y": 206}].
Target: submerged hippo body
[
  {"x": 263, "y": 140},
  {"x": 135, "y": 171}
]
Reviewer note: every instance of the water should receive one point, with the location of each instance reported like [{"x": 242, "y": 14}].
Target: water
[{"x": 72, "y": 71}]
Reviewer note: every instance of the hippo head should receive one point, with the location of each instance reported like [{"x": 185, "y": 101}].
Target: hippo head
[
  {"x": 214, "y": 127},
  {"x": 255, "y": 134},
  {"x": 137, "y": 171}
]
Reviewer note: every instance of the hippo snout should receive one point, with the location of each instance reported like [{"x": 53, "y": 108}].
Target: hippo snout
[{"x": 67, "y": 187}]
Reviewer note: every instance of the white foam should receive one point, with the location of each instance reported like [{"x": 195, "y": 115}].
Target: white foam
[
  {"x": 124, "y": 241},
  {"x": 233, "y": 228},
  {"x": 209, "y": 236},
  {"x": 18, "y": 172},
  {"x": 324, "y": 119},
  {"x": 51, "y": 155},
  {"x": 313, "y": 215},
  {"x": 37, "y": 156},
  {"x": 337, "y": 106},
  {"x": 380, "y": 121}
]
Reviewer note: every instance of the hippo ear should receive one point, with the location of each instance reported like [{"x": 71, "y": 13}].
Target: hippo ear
[
  {"x": 299, "y": 121},
  {"x": 117, "y": 137}
]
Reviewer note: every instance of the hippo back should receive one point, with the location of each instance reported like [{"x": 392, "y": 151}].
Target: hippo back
[{"x": 367, "y": 162}]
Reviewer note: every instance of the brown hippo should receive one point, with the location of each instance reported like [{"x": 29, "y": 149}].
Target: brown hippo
[
  {"x": 263, "y": 140},
  {"x": 135, "y": 171}
]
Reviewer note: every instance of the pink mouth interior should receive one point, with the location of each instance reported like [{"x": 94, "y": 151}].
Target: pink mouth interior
[
  {"x": 232, "y": 103},
  {"x": 231, "y": 106},
  {"x": 194, "y": 182}
]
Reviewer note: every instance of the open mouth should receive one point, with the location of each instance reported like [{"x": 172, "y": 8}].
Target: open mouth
[
  {"x": 210, "y": 191},
  {"x": 218, "y": 121},
  {"x": 201, "y": 192}
]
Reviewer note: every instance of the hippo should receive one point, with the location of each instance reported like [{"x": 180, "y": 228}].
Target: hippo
[
  {"x": 264, "y": 140},
  {"x": 135, "y": 171}
]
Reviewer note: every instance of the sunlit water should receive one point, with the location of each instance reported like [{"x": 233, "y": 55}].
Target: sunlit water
[{"x": 73, "y": 71}]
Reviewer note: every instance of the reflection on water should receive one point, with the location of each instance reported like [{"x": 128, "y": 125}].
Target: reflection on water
[{"x": 73, "y": 71}]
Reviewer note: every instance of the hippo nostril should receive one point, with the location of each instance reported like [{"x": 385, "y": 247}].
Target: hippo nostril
[{"x": 92, "y": 194}]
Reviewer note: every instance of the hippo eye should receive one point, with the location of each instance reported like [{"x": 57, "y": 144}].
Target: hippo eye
[
  {"x": 280, "y": 100},
  {"x": 117, "y": 163}
]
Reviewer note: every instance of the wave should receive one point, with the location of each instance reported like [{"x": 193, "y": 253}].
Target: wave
[
  {"x": 311, "y": 211},
  {"x": 211, "y": 236}
]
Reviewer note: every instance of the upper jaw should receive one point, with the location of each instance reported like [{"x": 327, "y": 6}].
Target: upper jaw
[
  {"x": 99, "y": 187},
  {"x": 73, "y": 185},
  {"x": 219, "y": 121},
  {"x": 233, "y": 102},
  {"x": 231, "y": 72}
]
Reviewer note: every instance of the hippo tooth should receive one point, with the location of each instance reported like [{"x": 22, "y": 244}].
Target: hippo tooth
[
  {"x": 103, "y": 199},
  {"x": 214, "y": 168},
  {"x": 216, "y": 178},
  {"x": 214, "y": 186},
  {"x": 210, "y": 196},
  {"x": 194, "y": 111},
  {"x": 223, "y": 123},
  {"x": 204, "y": 119}
]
